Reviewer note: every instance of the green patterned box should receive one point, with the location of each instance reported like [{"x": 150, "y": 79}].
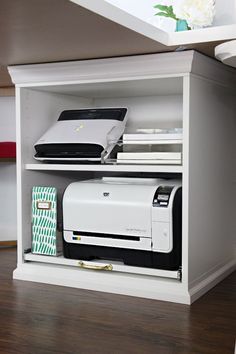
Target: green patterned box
[{"x": 45, "y": 238}]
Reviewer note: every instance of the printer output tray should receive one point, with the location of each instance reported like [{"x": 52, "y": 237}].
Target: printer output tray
[{"x": 68, "y": 152}]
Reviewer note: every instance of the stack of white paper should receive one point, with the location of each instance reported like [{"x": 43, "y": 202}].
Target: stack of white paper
[
  {"x": 147, "y": 136},
  {"x": 162, "y": 158}
]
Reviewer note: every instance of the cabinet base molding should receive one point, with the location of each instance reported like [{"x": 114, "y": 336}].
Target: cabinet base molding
[
  {"x": 211, "y": 279},
  {"x": 119, "y": 283},
  {"x": 123, "y": 284}
]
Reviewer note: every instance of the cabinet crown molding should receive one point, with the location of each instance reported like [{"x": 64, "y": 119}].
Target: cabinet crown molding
[{"x": 122, "y": 68}]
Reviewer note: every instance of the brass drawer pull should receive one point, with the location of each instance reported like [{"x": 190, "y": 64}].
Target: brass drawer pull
[{"x": 95, "y": 267}]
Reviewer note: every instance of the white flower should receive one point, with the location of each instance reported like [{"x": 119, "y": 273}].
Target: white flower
[{"x": 198, "y": 13}]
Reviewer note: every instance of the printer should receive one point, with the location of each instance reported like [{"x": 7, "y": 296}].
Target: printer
[
  {"x": 135, "y": 220},
  {"x": 82, "y": 135}
]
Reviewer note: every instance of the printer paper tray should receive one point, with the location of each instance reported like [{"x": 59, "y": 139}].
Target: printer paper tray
[
  {"x": 68, "y": 160},
  {"x": 142, "y": 243},
  {"x": 116, "y": 266}
]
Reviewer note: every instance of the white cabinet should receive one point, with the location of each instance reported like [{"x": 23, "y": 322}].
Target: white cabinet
[{"x": 183, "y": 89}]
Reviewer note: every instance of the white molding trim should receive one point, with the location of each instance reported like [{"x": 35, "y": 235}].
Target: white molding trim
[
  {"x": 212, "y": 279},
  {"x": 104, "y": 281},
  {"x": 122, "y": 69},
  {"x": 103, "y": 69}
]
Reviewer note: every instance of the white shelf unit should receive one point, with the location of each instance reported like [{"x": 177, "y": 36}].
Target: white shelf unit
[
  {"x": 185, "y": 90},
  {"x": 105, "y": 168},
  {"x": 223, "y": 29}
]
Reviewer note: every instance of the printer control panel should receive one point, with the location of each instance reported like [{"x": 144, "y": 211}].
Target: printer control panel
[
  {"x": 162, "y": 196},
  {"x": 162, "y": 240}
]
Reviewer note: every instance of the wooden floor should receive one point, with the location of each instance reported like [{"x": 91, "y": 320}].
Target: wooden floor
[{"x": 43, "y": 319}]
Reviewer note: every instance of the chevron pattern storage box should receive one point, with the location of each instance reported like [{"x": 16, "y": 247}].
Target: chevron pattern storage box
[{"x": 44, "y": 221}]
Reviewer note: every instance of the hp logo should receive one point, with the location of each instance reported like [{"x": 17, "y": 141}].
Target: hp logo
[{"x": 106, "y": 194}]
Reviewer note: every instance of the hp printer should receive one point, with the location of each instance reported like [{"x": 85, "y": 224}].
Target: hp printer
[
  {"x": 82, "y": 135},
  {"x": 137, "y": 221}
]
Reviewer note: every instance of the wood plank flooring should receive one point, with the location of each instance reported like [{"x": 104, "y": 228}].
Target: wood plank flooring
[{"x": 42, "y": 319}]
